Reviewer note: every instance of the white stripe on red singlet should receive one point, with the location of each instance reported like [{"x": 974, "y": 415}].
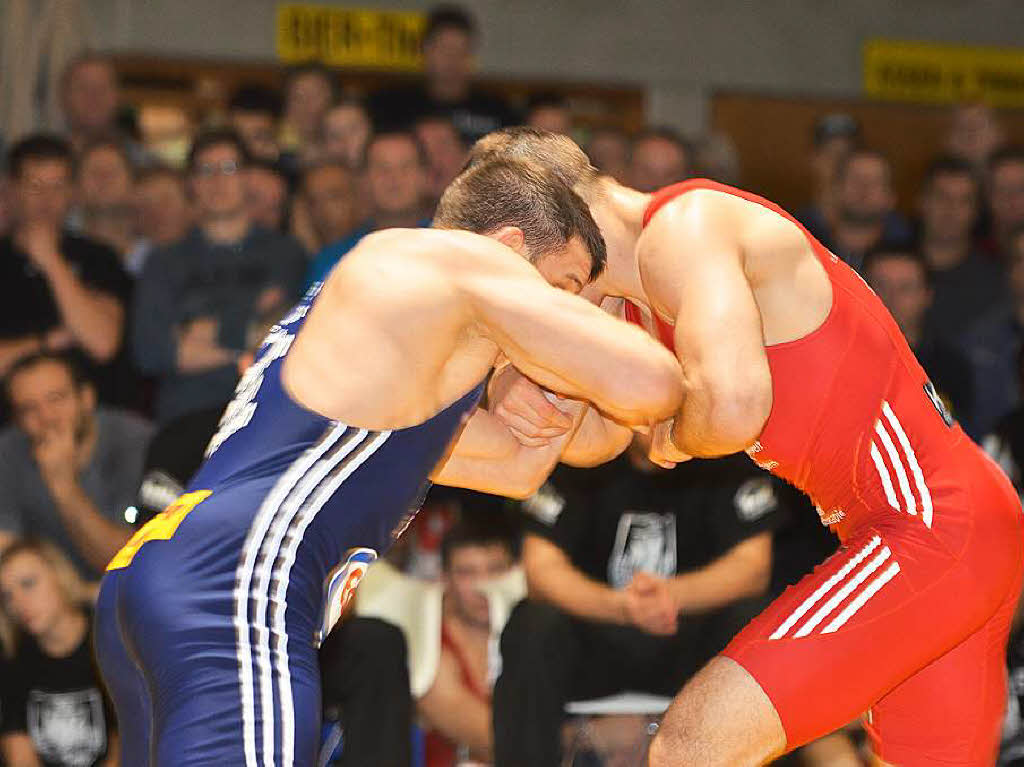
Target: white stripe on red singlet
[
  {"x": 915, "y": 467},
  {"x": 847, "y": 589},
  {"x": 827, "y": 586}
]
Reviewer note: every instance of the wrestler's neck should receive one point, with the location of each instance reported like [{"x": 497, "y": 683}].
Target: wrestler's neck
[{"x": 619, "y": 212}]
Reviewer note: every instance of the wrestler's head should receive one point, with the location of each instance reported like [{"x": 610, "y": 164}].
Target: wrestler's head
[
  {"x": 531, "y": 211},
  {"x": 613, "y": 206},
  {"x": 555, "y": 152}
]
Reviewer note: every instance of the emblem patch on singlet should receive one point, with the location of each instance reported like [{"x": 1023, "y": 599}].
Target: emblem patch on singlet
[
  {"x": 938, "y": 403},
  {"x": 340, "y": 586}
]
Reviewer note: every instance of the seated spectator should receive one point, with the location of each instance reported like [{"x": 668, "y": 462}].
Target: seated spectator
[
  {"x": 396, "y": 181},
  {"x": 660, "y": 158},
  {"x": 1005, "y": 200},
  {"x": 197, "y": 297},
  {"x": 90, "y": 98},
  {"x": 177, "y": 448},
  {"x": 865, "y": 213},
  {"x": 330, "y": 193},
  {"x": 309, "y": 91},
  {"x": 974, "y": 134},
  {"x": 445, "y": 151},
  {"x": 57, "y": 291},
  {"x": 55, "y": 710},
  {"x": 253, "y": 113},
  {"x": 637, "y": 576},
  {"x": 266, "y": 195},
  {"x": 365, "y": 680},
  {"x": 163, "y": 210},
  {"x": 609, "y": 152},
  {"x": 902, "y": 279},
  {"x": 992, "y": 344},
  {"x": 449, "y": 43},
  {"x": 68, "y": 469},
  {"x": 106, "y": 201},
  {"x": 835, "y": 136},
  {"x": 965, "y": 284},
  {"x": 716, "y": 157},
  {"x": 549, "y": 112},
  {"x": 457, "y": 708},
  {"x": 346, "y": 131}
]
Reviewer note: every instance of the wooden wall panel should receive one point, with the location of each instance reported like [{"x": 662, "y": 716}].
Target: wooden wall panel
[{"x": 773, "y": 136}]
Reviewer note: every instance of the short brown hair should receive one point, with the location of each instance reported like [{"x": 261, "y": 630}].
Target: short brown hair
[
  {"x": 554, "y": 152},
  {"x": 494, "y": 193}
]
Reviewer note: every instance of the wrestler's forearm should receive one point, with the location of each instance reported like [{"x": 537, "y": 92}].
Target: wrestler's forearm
[
  {"x": 488, "y": 459},
  {"x": 597, "y": 441},
  {"x": 719, "y": 422}
]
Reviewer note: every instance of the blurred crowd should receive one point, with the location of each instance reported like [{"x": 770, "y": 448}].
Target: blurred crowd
[{"x": 138, "y": 279}]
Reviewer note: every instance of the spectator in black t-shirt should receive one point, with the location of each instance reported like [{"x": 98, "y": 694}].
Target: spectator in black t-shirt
[
  {"x": 902, "y": 280},
  {"x": 197, "y": 298},
  {"x": 54, "y": 710},
  {"x": 637, "y": 576},
  {"x": 965, "y": 284},
  {"x": 449, "y": 42},
  {"x": 57, "y": 291}
]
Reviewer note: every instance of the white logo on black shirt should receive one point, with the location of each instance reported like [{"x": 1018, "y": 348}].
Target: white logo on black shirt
[
  {"x": 643, "y": 542},
  {"x": 67, "y": 727},
  {"x": 754, "y": 499},
  {"x": 546, "y": 505}
]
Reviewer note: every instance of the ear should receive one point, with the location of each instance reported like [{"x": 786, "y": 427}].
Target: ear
[{"x": 511, "y": 237}]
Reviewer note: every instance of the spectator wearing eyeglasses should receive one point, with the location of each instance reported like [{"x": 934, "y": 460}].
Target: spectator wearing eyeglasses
[{"x": 197, "y": 297}]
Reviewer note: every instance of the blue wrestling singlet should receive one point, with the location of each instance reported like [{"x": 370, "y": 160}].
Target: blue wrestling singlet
[{"x": 209, "y": 619}]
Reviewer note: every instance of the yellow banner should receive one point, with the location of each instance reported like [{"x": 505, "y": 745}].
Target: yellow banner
[
  {"x": 349, "y": 37},
  {"x": 942, "y": 74}
]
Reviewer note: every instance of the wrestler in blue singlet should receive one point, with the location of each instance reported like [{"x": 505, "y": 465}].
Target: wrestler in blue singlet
[{"x": 209, "y": 620}]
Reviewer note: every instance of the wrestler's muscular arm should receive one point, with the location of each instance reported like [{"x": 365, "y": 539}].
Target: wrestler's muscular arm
[
  {"x": 691, "y": 263},
  {"x": 569, "y": 346},
  {"x": 566, "y": 344}
]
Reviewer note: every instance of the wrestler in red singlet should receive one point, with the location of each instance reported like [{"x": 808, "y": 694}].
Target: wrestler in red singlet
[
  {"x": 439, "y": 750},
  {"x": 911, "y": 616}
]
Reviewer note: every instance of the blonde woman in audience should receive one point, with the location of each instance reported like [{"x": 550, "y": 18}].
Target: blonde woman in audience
[{"x": 56, "y": 713}]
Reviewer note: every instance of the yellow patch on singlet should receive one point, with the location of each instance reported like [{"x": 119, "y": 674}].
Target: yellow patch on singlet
[{"x": 159, "y": 528}]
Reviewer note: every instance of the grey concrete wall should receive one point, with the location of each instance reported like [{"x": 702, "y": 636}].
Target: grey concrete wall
[{"x": 679, "y": 50}]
